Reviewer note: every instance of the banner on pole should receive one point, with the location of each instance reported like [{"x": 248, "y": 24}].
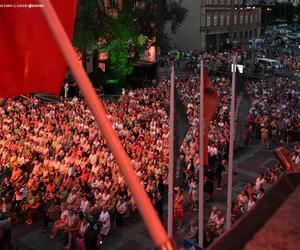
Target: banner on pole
[{"x": 243, "y": 105}]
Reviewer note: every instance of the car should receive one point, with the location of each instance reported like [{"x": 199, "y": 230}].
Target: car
[
  {"x": 294, "y": 36},
  {"x": 270, "y": 63}
]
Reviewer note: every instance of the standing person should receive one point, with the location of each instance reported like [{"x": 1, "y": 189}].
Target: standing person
[
  {"x": 209, "y": 184},
  {"x": 213, "y": 153},
  {"x": 104, "y": 218},
  {"x": 121, "y": 209},
  {"x": 193, "y": 193},
  {"x": 66, "y": 90},
  {"x": 219, "y": 170},
  {"x": 61, "y": 223},
  {"x": 265, "y": 137},
  {"x": 178, "y": 207},
  {"x": 159, "y": 206}
]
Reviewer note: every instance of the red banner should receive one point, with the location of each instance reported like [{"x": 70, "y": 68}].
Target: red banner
[{"x": 30, "y": 58}]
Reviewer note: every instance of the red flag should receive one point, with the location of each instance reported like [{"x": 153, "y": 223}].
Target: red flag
[
  {"x": 30, "y": 58},
  {"x": 211, "y": 102},
  {"x": 286, "y": 160}
]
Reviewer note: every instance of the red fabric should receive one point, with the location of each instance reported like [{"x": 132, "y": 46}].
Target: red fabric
[
  {"x": 211, "y": 102},
  {"x": 30, "y": 59}
]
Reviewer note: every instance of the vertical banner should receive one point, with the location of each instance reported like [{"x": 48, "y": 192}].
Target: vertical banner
[
  {"x": 243, "y": 105},
  {"x": 181, "y": 126}
]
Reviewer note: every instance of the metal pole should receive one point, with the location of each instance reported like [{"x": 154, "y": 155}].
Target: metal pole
[
  {"x": 144, "y": 205},
  {"x": 171, "y": 158},
  {"x": 253, "y": 41},
  {"x": 231, "y": 144},
  {"x": 201, "y": 156}
]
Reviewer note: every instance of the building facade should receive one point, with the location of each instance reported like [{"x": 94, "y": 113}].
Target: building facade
[{"x": 210, "y": 24}]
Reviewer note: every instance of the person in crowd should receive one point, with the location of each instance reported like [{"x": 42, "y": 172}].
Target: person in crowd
[
  {"x": 192, "y": 234},
  {"x": 82, "y": 230},
  {"x": 121, "y": 210},
  {"x": 73, "y": 223},
  {"x": 265, "y": 137},
  {"x": 62, "y": 222},
  {"x": 251, "y": 203},
  {"x": 213, "y": 216},
  {"x": 260, "y": 181},
  {"x": 260, "y": 194},
  {"x": 104, "y": 218},
  {"x": 209, "y": 184},
  {"x": 219, "y": 171},
  {"x": 193, "y": 193},
  {"x": 178, "y": 207}
]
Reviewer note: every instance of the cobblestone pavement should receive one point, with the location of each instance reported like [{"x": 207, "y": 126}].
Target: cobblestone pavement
[{"x": 248, "y": 163}]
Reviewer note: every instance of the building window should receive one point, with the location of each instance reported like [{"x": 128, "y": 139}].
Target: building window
[
  {"x": 241, "y": 35},
  {"x": 215, "y": 19},
  {"x": 208, "y": 20},
  {"x": 236, "y": 2},
  {"x": 221, "y": 2},
  {"x": 246, "y": 34},
  {"x": 228, "y": 18},
  {"x": 241, "y": 18},
  {"x": 250, "y": 34},
  {"x": 235, "y": 18},
  {"x": 222, "y": 16},
  {"x": 255, "y": 18},
  {"x": 215, "y": 2},
  {"x": 246, "y": 18},
  {"x": 251, "y": 18}
]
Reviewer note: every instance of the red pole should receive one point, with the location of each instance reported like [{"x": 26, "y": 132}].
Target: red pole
[{"x": 145, "y": 207}]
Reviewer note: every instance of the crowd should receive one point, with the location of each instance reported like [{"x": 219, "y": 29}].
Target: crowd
[
  {"x": 55, "y": 162},
  {"x": 274, "y": 116}
]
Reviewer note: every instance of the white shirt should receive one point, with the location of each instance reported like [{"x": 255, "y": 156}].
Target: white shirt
[
  {"x": 23, "y": 195},
  {"x": 105, "y": 219},
  {"x": 84, "y": 206},
  {"x": 251, "y": 204}
]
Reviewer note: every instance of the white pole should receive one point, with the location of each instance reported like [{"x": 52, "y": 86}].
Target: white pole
[
  {"x": 201, "y": 156},
  {"x": 231, "y": 146},
  {"x": 171, "y": 158}
]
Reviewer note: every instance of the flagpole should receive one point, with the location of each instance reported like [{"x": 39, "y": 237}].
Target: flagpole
[
  {"x": 171, "y": 158},
  {"x": 201, "y": 156},
  {"x": 231, "y": 146},
  {"x": 144, "y": 205}
]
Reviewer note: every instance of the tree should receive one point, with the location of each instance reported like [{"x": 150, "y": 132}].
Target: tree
[
  {"x": 126, "y": 31},
  {"x": 87, "y": 26},
  {"x": 159, "y": 12}
]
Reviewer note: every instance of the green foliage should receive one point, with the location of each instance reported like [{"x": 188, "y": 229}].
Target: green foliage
[
  {"x": 127, "y": 34},
  {"x": 87, "y": 28},
  {"x": 160, "y": 12},
  {"x": 124, "y": 44}
]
